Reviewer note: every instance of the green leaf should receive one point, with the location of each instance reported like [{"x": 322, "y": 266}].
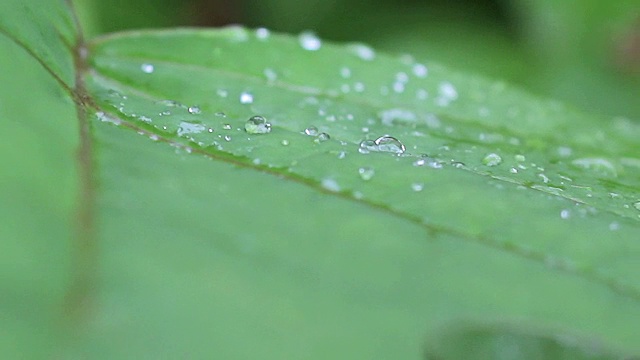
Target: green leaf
[{"x": 196, "y": 237}]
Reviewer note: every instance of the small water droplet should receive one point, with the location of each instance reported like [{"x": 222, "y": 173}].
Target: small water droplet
[
  {"x": 544, "y": 178},
  {"x": 194, "y": 110},
  {"x": 364, "y": 52},
  {"x": 330, "y": 184},
  {"x": 520, "y": 158},
  {"x": 311, "y": 131},
  {"x": 222, "y": 93},
  {"x": 417, "y": 187},
  {"x": 614, "y": 226},
  {"x": 246, "y": 98},
  {"x": 322, "y": 137},
  {"x": 309, "y": 41},
  {"x": 345, "y": 72},
  {"x": 227, "y": 137},
  {"x": 513, "y": 170},
  {"x": 420, "y": 70},
  {"x": 147, "y": 68},
  {"x": 446, "y": 93},
  {"x": 342, "y": 155},
  {"x": 284, "y": 142},
  {"x": 220, "y": 114},
  {"x": 262, "y": 33},
  {"x": 270, "y": 74},
  {"x": 257, "y": 125},
  {"x": 492, "y": 159},
  {"x": 226, "y": 126},
  {"x": 565, "y": 214},
  {"x": 637, "y": 205},
  {"x": 366, "y": 173}
]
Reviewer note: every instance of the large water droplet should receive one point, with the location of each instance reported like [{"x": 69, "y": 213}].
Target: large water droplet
[
  {"x": 246, "y": 98},
  {"x": 147, "y": 68},
  {"x": 388, "y": 143},
  {"x": 492, "y": 159},
  {"x": 257, "y": 125},
  {"x": 366, "y": 173},
  {"x": 309, "y": 41},
  {"x": 186, "y": 127}
]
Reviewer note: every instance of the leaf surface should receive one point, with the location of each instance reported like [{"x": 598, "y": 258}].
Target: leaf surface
[{"x": 205, "y": 238}]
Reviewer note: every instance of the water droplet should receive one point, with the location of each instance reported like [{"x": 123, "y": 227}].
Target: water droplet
[
  {"x": 637, "y": 205},
  {"x": 388, "y": 143},
  {"x": 227, "y": 137},
  {"x": 226, "y": 126},
  {"x": 147, "y": 68},
  {"x": 220, "y": 114},
  {"x": 446, "y": 93},
  {"x": 194, "y": 110},
  {"x": 342, "y": 155},
  {"x": 270, "y": 74},
  {"x": 364, "y": 52},
  {"x": 322, "y": 137},
  {"x": 190, "y": 128},
  {"x": 513, "y": 170},
  {"x": 599, "y": 165},
  {"x": 358, "y": 87},
  {"x": 565, "y": 214},
  {"x": 246, "y": 98},
  {"x": 257, "y": 125},
  {"x": 311, "y": 131},
  {"x": 222, "y": 93},
  {"x": 520, "y": 158},
  {"x": 309, "y": 41},
  {"x": 564, "y": 151},
  {"x": 614, "y": 226},
  {"x": 544, "y": 178},
  {"x": 366, "y": 146},
  {"x": 366, "y": 173},
  {"x": 420, "y": 70},
  {"x": 210, "y": 130},
  {"x": 262, "y": 33},
  {"x": 492, "y": 159},
  {"x": 284, "y": 142},
  {"x": 169, "y": 103},
  {"x": 330, "y": 184},
  {"x": 345, "y": 72},
  {"x": 417, "y": 187}
]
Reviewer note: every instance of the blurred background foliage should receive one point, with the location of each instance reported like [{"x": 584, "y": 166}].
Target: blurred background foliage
[{"x": 584, "y": 52}]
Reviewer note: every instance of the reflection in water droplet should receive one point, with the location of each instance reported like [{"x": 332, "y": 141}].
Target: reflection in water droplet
[
  {"x": 565, "y": 214},
  {"x": 330, "y": 184},
  {"x": 309, "y": 41},
  {"x": 194, "y": 110},
  {"x": 246, "y": 98},
  {"x": 366, "y": 173},
  {"x": 322, "y": 137},
  {"x": 147, "y": 68},
  {"x": 492, "y": 159},
  {"x": 311, "y": 131},
  {"x": 257, "y": 125},
  {"x": 417, "y": 187}
]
